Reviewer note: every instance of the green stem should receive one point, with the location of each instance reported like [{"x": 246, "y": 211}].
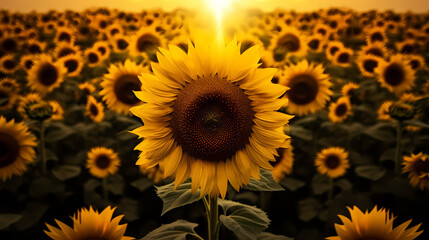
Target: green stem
[
  {"x": 214, "y": 216},
  {"x": 398, "y": 153},
  {"x": 105, "y": 195},
  {"x": 331, "y": 189},
  {"x": 42, "y": 149}
]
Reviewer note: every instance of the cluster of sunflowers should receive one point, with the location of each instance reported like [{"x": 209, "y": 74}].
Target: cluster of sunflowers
[{"x": 350, "y": 88}]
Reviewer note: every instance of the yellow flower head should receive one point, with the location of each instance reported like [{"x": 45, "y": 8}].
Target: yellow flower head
[
  {"x": 340, "y": 110},
  {"x": 417, "y": 167},
  {"x": 102, "y": 162},
  {"x": 332, "y": 162},
  {"x": 284, "y": 162},
  {"x": 45, "y": 75},
  {"x": 94, "y": 109},
  {"x": 396, "y": 74}
]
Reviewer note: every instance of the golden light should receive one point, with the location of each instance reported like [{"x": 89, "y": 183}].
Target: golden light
[{"x": 219, "y": 7}]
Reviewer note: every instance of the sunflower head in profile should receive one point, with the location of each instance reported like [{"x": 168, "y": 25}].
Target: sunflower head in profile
[
  {"x": 102, "y": 162},
  {"x": 146, "y": 40},
  {"x": 332, "y": 162},
  {"x": 45, "y": 75},
  {"x": 349, "y": 90},
  {"x": 396, "y": 74},
  {"x": 308, "y": 88},
  {"x": 417, "y": 167},
  {"x": 367, "y": 64},
  {"x": 8, "y": 64},
  {"x": 340, "y": 110},
  {"x": 377, "y": 224},
  {"x": 57, "y": 110},
  {"x": 284, "y": 162},
  {"x": 383, "y": 111},
  {"x": 73, "y": 63},
  {"x": 119, "y": 86},
  {"x": 210, "y": 114},
  {"x": 16, "y": 148},
  {"x": 90, "y": 224},
  {"x": 94, "y": 109}
]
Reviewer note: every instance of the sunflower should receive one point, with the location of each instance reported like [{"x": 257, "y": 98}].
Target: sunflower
[
  {"x": 417, "y": 62},
  {"x": 316, "y": 43},
  {"x": 10, "y": 83},
  {"x": 147, "y": 40},
  {"x": 57, "y": 110},
  {"x": 322, "y": 29},
  {"x": 63, "y": 49},
  {"x": 348, "y": 90},
  {"x": 309, "y": 88},
  {"x": 340, "y": 110},
  {"x": 332, "y": 48},
  {"x": 210, "y": 114},
  {"x": 65, "y": 34},
  {"x": 367, "y": 64},
  {"x": 103, "y": 48},
  {"x": 155, "y": 174},
  {"x": 8, "y": 98},
  {"x": 89, "y": 224},
  {"x": 9, "y": 44},
  {"x": 26, "y": 101},
  {"x": 27, "y": 62},
  {"x": 46, "y": 75},
  {"x": 343, "y": 57},
  {"x": 377, "y": 224},
  {"x": 94, "y": 109},
  {"x": 102, "y": 162},
  {"x": 114, "y": 29},
  {"x": 383, "y": 110},
  {"x": 8, "y": 64},
  {"x": 377, "y": 49},
  {"x": 284, "y": 162},
  {"x": 376, "y": 34},
  {"x": 288, "y": 42},
  {"x": 332, "y": 162},
  {"x": 407, "y": 47},
  {"x": 73, "y": 64},
  {"x": 396, "y": 74},
  {"x": 120, "y": 43},
  {"x": 35, "y": 47},
  {"x": 17, "y": 148},
  {"x": 417, "y": 167},
  {"x": 118, "y": 86},
  {"x": 86, "y": 88}
]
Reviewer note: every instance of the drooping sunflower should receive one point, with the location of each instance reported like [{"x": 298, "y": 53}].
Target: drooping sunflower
[
  {"x": 308, "y": 88},
  {"x": 377, "y": 224},
  {"x": 17, "y": 148},
  {"x": 396, "y": 74},
  {"x": 102, "y": 162},
  {"x": 118, "y": 86},
  {"x": 46, "y": 74},
  {"x": 417, "y": 167},
  {"x": 94, "y": 109},
  {"x": 90, "y": 224},
  {"x": 210, "y": 114},
  {"x": 57, "y": 110},
  {"x": 146, "y": 40},
  {"x": 73, "y": 63},
  {"x": 340, "y": 110},
  {"x": 332, "y": 161},
  {"x": 284, "y": 162},
  {"x": 8, "y": 64},
  {"x": 26, "y": 101},
  {"x": 383, "y": 111},
  {"x": 367, "y": 64}
]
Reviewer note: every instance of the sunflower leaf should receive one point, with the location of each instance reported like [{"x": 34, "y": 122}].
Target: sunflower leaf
[
  {"x": 172, "y": 199},
  {"x": 270, "y": 236},
  {"x": 142, "y": 184},
  {"x": 265, "y": 184},
  {"x": 245, "y": 221},
  {"x": 292, "y": 184},
  {"x": 379, "y": 132},
  {"x": 416, "y": 123},
  {"x": 370, "y": 172},
  {"x": 65, "y": 172},
  {"x": 7, "y": 219},
  {"x": 177, "y": 230}
]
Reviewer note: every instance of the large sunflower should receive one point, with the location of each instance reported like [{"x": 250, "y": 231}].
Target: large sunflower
[
  {"x": 118, "y": 86},
  {"x": 210, "y": 114},
  {"x": 46, "y": 75},
  {"x": 332, "y": 162},
  {"x": 284, "y": 162},
  {"x": 417, "y": 167},
  {"x": 90, "y": 224},
  {"x": 17, "y": 148},
  {"x": 309, "y": 87},
  {"x": 396, "y": 74},
  {"x": 102, "y": 162},
  {"x": 377, "y": 225}
]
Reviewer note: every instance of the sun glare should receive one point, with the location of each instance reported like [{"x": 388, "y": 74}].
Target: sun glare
[{"x": 219, "y": 7}]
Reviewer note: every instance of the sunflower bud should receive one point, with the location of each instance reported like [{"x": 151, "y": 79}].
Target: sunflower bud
[
  {"x": 39, "y": 110},
  {"x": 402, "y": 111}
]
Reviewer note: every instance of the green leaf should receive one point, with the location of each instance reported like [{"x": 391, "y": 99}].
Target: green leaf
[
  {"x": 416, "y": 123},
  {"x": 8, "y": 219},
  {"x": 266, "y": 183},
  {"x": 115, "y": 184},
  {"x": 177, "y": 230},
  {"x": 245, "y": 221},
  {"x": 129, "y": 207},
  {"x": 34, "y": 211},
  {"x": 66, "y": 172},
  {"x": 62, "y": 131},
  {"x": 176, "y": 198},
  {"x": 344, "y": 184},
  {"x": 308, "y": 209},
  {"x": 300, "y": 132},
  {"x": 292, "y": 184},
  {"x": 370, "y": 172},
  {"x": 142, "y": 184},
  {"x": 320, "y": 184},
  {"x": 388, "y": 155},
  {"x": 270, "y": 236},
  {"x": 42, "y": 186},
  {"x": 378, "y": 133}
]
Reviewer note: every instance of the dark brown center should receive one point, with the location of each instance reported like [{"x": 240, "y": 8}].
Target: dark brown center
[
  {"x": 28, "y": 64},
  {"x": 64, "y": 36},
  {"x": 9, "y": 149},
  {"x": 369, "y": 65},
  {"x": 102, "y": 161},
  {"x": 122, "y": 44},
  {"x": 124, "y": 87},
  {"x": 212, "y": 119},
  {"x": 394, "y": 74},
  {"x": 314, "y": 44},
  {"x": 407, "y": 49},
  {"x": 102, "y": 50},
  {"x": 375, "y": 51},
  {"x": 114, "y": 31},
  {"x": 341, "y": 109},
  {"x": 290, "y": 42},
  {"x": 377, "y": 37},
  {"x": 147, "y": 43},
  {"x": 421, "y": 166},
  {"x": 9, "y": 64},
  {"x": 332, "y": 162},
  {"x": 93, "y": 109},
  {"x": 415, "y": 64},
  {"x": 93, "y": 57},
  {"x": 66, "y": 51},
  {"x": 34, "y": 48},
  {"x": 322, "y": 31},
  {"x": 48, "y": 74},
  {"x": 71, "y": 65},
  {"x": 343, "y": 57},
  {"x": 9, "y": 45},
  {"x": 303, "y": 89}
]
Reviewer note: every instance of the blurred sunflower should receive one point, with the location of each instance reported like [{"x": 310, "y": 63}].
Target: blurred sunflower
[
  {"x": 377, "y": 49},
  {"x": 146, "y": 40},
  {"x": 45, "y": 75},
  {"x": 89, "y": 224},
  {"x": 284, "y": 162},
  {"x": 120, "y": 43},
  {"x": 155, "y": 174},
  {"x": 27, "y": 62},
  {"x": 322, "y": 29},
  {"x": 343, "y": 57},
  {"x": 103, "y": 49},
  {"x": 340, "y": 110},
  {"x": 86, "y": 88},
  {"x": 17, "y": 148},
  {"x": 210, "y": 114},
  {"x": 119, "y": 86},
  {"x": 8, "y": 98},
  {"x": 114, "y": 29},
  {"x": 377, "y": 224},
  {"x": 102, "y": 162},
  {"x": 376, "y": 34},
  {"x": 332, "y": 162},
  {"x": 407, "y": 47},
  {"x": 332, "y": 48},
  {"x": 396, "y": 74},
  {"x": 288, "y": 42},
  {"x": 35, "y": 47},
  {"x": 367, "y": 64},
  {"x": 417, "y": 62},
  {"x": 73, "y": 63},
  {"x": 417, "y": 167},
  {"x": 57, "y": 110},
  {"x": 92, "y": 57},
  {"x": 348, "y": 90},
  {"x": 316, "y": 43},
  {"x": 94, "y": 109},
  {"x": 308, "y": 88},
  {"x": 26, "y": 101},
  {"x": 383, "y": 111},
  {"x": 65, "y": 34},
  {"x": 8, "y": 64},
  {"x": 9, "y": 44},
  {"x": 63, "y": 49},
  {"x": 10, "y": 83}
]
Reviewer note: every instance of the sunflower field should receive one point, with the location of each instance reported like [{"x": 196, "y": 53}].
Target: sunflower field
[{"x": 280, "y": 125}]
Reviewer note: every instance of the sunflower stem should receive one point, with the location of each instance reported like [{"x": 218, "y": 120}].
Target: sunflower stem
[
  {"x": 331, "y": 189},
  {"x": 212, "y": 218},
  {"x": 399, "y": 129},
  {"x": 105, "y": 195},
  {"x": 42, "y": 149}
]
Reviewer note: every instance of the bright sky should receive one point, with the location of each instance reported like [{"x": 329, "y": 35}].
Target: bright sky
[{"x": 137, "y": 5}]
